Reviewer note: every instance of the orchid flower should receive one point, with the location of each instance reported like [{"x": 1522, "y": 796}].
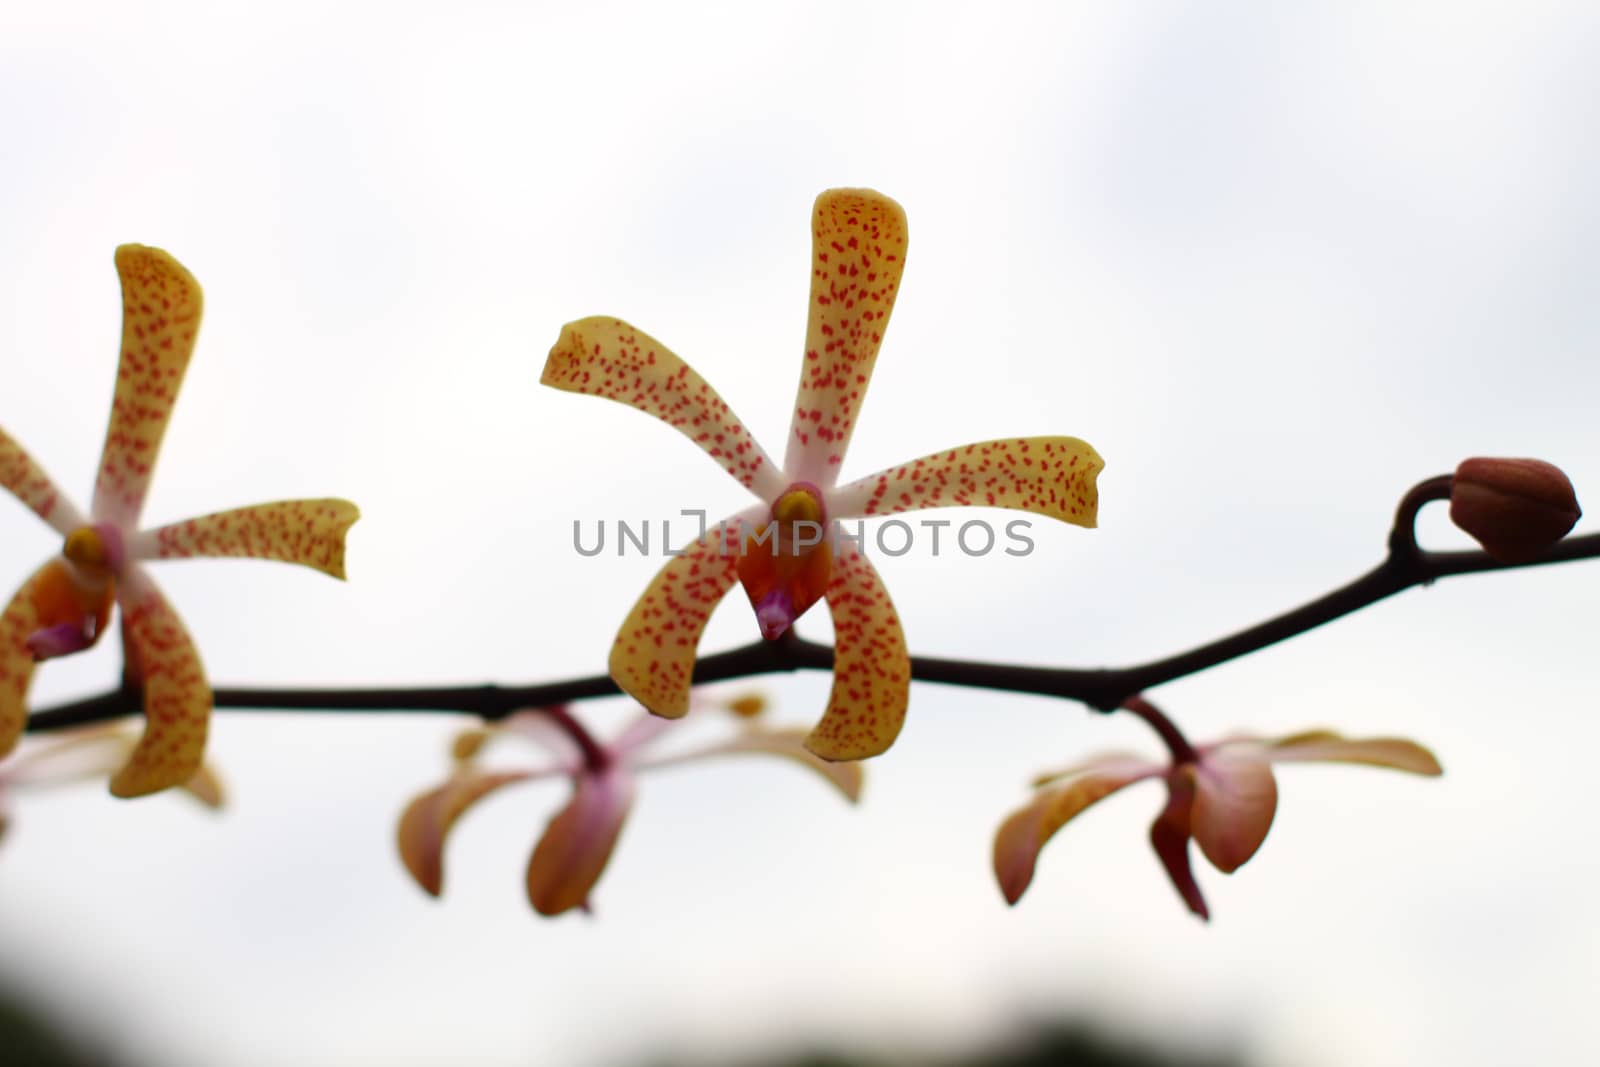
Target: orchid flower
[
  {"x": 84, "y": 754},
  {"x": 1224, "y": 798},
  {"x": 858, "y": 254},
  {"x": 576, "y": 845},
  {"x": 65, "y": 606}
]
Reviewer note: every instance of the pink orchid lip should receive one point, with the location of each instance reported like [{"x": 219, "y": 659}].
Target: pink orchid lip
[
  {"x": 775, "y": 614},
  {"x": 62, "y": 639}
]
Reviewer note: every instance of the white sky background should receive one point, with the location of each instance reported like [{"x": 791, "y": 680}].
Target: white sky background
[{"x": 1276, "y": 265}]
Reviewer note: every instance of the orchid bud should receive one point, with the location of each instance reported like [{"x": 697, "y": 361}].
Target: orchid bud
[{"x": 1515, "y": 508}]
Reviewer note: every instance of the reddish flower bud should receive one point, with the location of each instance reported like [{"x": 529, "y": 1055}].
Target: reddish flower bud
[{"x": 1516, "y": 508}]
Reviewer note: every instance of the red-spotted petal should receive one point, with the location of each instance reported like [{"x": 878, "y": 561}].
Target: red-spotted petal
[
  {"x": 177, "y": 698},
  {"x": 30, "y": 484},
  {"x": 871, "y": 667},
  {"x": 577, "y": 844},
  {"x": 49, "y": 604},
  {"x": 652, "y": 659},
  {"x": 428, "y": 819},
  {"x": 1396, "y": 753},
  {"x": 845, "y": 776},
  {"x": 858, "y": 252},
  {"x": 1025, "y": 831},
  {"x": 607, "y": 357},
  {"x": 21, "y": 620},
  {"x": 310, "y": 532},
  {"x": 1051, "y": 476},
  {"x": 1235, "y": 798},
  {"x": 161, "y": 306}
]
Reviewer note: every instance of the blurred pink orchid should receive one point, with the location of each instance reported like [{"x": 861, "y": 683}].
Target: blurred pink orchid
[
  {"x": 66, "y": 605},
  {"x": 1224, "y": 798},
  {"x": 80, "y": 755},
  {"x": 787, "y": 549},
  {"x": 576, "y": 845}
]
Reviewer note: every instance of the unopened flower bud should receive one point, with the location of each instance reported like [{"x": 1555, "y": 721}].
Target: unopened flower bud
[{"x": 1516, "y": 508}]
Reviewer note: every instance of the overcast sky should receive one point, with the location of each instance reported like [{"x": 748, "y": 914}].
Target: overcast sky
[{"x": 1275, "y": 264}]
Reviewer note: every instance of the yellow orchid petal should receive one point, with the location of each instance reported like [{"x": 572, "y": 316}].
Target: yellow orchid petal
[
  {"x": 21, "y": 619},
  {"x": 161, "y": 305},
  {"x": 1396, "y": 753},
  {"x": 428, "y": 819},
  {"x": 206, "y": 787},
  {"x": 1235, "y": 798},
  {"x": 1104, "y": 763},
  {"x": 652, "y": 659},
  {"x": 577, "y": 844},
  {"x": 607, "y": 357},
  {"x": 309, "y": 532},
  {"x": 858, "y": 252},
  {"x": 871, "y": 667},
  {"x": 50, "y": 598},
  {"x": 468, "y": 743},
  {"x": 846, "y": 776},
  {"x": 177, "y": 698},
  {"x": 1020, "y": 838},
  {"x": 28, "y": 482},
  {"x": 1051, "y": 476}
]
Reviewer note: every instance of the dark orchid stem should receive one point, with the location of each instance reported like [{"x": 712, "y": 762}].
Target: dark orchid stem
[
  {"x": 1165, "y": 728},
  {"x": 1403, "y": 535},
  {"x": 1106, "y": 689},
  {"x": 595, "y": 758}
]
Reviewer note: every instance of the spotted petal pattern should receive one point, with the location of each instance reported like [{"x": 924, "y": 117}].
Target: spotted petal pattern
[
  {"x": 653, "y": 656},
  {"x": 871, "y": 666},
  {"x": 607, "y": 357},
  {"x": 22, "y": 617},
  {"x": 30, "y": 484},
  {"x": 1050, "y": 476},
  {"x": 161, "y": 305},
  {"x": 858, "y": 252},
  {"x": 310, "y": 532},
  {"x": 177, "y": 698}
]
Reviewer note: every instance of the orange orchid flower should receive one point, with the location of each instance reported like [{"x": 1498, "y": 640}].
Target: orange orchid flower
[
  {"x": 782, "y": 558},
  {"x": 84, "y": 754},
  {"x": 1224, "y": 799},
  {"x": 577, "y": 844},
  {"x": 66, "y": 605}
]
